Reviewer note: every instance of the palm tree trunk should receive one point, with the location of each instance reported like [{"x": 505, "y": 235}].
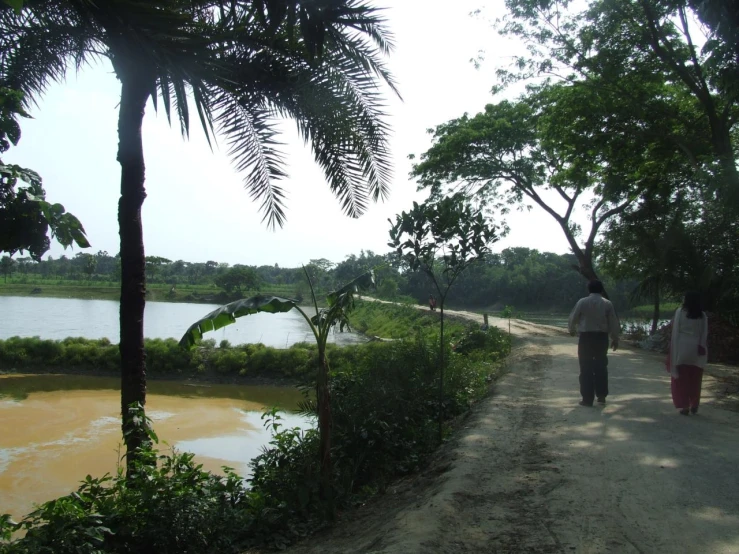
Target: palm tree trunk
[
  {"x": 323, "y": 397},
  {"x": 441, "y": 375},
  {"x": 135, "y": 92}
]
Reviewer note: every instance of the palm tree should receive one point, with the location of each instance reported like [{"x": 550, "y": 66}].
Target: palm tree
[{"x": 242, "y": 64}]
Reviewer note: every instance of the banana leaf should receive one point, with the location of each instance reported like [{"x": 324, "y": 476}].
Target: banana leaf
[
  {"x": 226, "y": 315},
  {"x": 340, "y": 302},
  {"x": 363, "y": 282}
]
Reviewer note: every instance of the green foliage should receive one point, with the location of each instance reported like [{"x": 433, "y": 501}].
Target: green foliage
[
  {"x": 527, "y": 278},
  {"x": 164, "y": 357},
  {"x": 394, "y": 321},
  {"x": 226, "y": 315},
  {"x": 285, "y": 479},
  {"x": 172, "y": 506},
  {"x": 655, "y": 112},
  {"x": 7, "y": 266},
  {"x": 238, "y": 278},
  {"x": 491, "y": 342},
  {"x": 237, "y": 86},
  {"x": 442, "y": 238},
  {"x": 25, "y": 215},
  {"x": 384, "y": 408},
  {"x": 549, "y": 140}
]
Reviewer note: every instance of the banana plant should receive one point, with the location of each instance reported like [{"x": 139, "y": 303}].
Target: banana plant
[{"x": 340, "y": 304}]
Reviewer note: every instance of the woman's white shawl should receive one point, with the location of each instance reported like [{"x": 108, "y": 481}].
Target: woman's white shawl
[{"x": 687, "y": 335}]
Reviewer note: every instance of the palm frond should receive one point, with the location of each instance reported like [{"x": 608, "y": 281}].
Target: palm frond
[
  {"x": 251, "y": 136},
  {"x": 38, "y": 45},
  {"x": 243, "y": 66}
]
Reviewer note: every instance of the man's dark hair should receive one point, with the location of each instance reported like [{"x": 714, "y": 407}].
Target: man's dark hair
[{"x": 595, "y": 286}]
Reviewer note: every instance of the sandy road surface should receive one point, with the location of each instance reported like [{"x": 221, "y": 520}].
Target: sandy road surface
[{"x": 532, "y": 472}]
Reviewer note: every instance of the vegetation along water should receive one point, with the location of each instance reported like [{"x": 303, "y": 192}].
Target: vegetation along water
[
  {"x": 623, "y": 139},
  {"x": 384, "y": 398}
]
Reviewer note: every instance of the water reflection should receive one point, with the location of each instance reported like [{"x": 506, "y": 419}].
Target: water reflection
[
  {"x": 58, "y": 318},
  {"x": 561, "y": 320},
  {"x": 234, "y": 448}
]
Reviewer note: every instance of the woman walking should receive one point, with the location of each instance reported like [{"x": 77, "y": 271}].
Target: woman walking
[{"x": 688, "y": 354}]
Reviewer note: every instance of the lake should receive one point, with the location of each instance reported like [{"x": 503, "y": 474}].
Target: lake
[
  {"x": 560, "y": 320},
  {"x": 58, "y": 318},
  {"x": 56, "y": 429}
]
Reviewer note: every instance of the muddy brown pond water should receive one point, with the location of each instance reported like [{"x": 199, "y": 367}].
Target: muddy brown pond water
[{"x": 56, "y": 429}]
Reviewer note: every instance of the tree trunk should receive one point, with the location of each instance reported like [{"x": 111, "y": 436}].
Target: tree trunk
[
  {"x": 724, "y": 150},
  {"x": 441, "y": 375},
  {"x": 585, "y": 268},
  {"x": 134, "y": 95},
  {"x": 323, "y": 397},
  {"x": 655, "y": 314}
]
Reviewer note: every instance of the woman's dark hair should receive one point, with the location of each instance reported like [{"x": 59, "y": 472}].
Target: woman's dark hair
[
  {"x": 595, "y": 287},
  {"x": 692, "y": 305}
]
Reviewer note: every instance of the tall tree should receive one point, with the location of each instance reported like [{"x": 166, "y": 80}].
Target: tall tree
[
  {"x": 441, "y": 239},
  {"x": 241, "y": 64},
  {"x": 7, "y": 266},
  {"x": 550, "y": 147},
  {"x": 644, "y": 244},
  {"x": 600, "y": 42},
  {"x": 238, "y": 278}
]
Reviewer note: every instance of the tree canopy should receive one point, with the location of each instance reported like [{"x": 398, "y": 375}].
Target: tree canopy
[{"x": 26, "y": 218}]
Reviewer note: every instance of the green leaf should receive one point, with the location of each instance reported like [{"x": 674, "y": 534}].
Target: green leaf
[
  {"x": 226, "y": 315},
  {"x": 363, "y": 282}
]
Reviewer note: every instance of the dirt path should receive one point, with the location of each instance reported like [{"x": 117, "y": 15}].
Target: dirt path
[{"x": 532, "y": 472}]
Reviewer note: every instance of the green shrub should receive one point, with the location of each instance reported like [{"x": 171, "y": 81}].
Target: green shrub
[
  {"x": 172, "y": 507},
  {"x": 385, "y": 408},
  {"x": 285, "y": 477},
  {"x": 229, "y": 361},
  {"x": 395, "y": 321},
  {"x": 166, "y": 356}
]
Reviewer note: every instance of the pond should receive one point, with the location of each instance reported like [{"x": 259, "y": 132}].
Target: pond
[
  {"x": 58, "y": 318},
  {"x": 560, "y": 320},
  {"x": 59, "y": 428}
]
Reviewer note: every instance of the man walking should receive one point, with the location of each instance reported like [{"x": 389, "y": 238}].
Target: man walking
[{"x": 595, "y": 318}]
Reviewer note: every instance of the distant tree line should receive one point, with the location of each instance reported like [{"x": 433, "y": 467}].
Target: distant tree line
[{"x": 522, "y": 277}]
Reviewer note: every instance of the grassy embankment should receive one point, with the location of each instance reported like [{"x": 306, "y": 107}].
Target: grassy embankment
[
  {"x": 666, "y": 311},
  {"x": 385, "y": 406},
  {"x": 223, "y": 362}
]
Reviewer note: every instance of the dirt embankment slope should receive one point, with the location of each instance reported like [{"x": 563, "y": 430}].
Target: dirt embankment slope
[{"x": 533, "y": 472}]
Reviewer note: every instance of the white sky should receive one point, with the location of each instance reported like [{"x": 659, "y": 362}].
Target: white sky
[{"x": 197, "y": 209}]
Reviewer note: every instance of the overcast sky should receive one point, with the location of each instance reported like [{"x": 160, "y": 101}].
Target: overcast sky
[{"x": 197, "y": 209}]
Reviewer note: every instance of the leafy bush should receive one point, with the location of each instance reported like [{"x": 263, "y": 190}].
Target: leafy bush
[
  {"x": 395, "y": 321},
  {"x": 172, "y": 507},
  {"x": 285, "y": 479},
  {"x": 489, "y": 341},
  {"x": 384, "y": 405},
  {"x": 230, "y": 361},
  {"x": 163, "y": 356}
]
